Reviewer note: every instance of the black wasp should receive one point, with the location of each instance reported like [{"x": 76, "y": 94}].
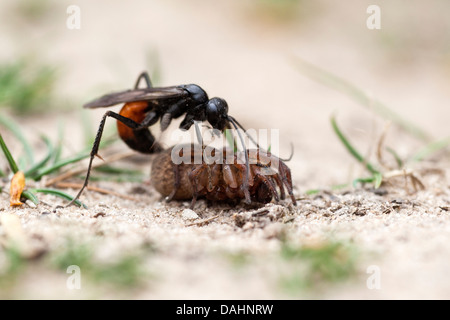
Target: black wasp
[{"x": 144, "y": 107}]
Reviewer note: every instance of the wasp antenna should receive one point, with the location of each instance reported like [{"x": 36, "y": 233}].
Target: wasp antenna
[
  {"x": 257, "y": 145},
  {"x": 247, "y": 165},
  {"x": 243, "y": 129},
  {"x": 235, "y": 125}
]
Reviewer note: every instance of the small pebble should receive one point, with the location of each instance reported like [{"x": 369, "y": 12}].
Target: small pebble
[
  {"x": 189, "y": 214},
  {"x": 30, "y": 204}
]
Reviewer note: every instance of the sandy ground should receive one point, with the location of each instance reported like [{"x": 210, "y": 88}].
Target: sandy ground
[{"x": 245, "y": 52}]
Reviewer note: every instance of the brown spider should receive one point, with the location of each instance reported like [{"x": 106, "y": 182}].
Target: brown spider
[{"x": 222, "y": 179}]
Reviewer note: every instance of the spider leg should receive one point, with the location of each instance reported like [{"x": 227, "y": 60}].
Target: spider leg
[
  {"x": 279, "y": 183},
  {"x": 285, "y": 174},
  {"x": 195, "y": 177},
  {"x": 269, "y": 183}
]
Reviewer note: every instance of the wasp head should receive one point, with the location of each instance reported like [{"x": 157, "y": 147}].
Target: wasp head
[{"x": 217, "y": 113}]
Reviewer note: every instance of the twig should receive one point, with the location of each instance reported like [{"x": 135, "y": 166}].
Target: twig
[
  {"x": 97, "y": 189},
  {"x": 72, "y": 172},
  {"x": 203, "y": 221},
  {"x": 406, "y": 173},
  {"x": 380, "y": 146}
]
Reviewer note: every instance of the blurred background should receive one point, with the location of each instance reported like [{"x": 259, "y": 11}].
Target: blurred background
[
  {"x": 286, "y": 64},
  {"x": 290, "y": 65}
]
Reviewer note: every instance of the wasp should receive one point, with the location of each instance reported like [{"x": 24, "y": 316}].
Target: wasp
[{"x": 144, "y": 107}]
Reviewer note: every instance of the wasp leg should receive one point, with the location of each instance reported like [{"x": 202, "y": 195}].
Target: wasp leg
[
  {"x": 128, "y": 122},
  {"x": 187, "y": 122},
  {"x": 173, "y": 112},
  {"x": 150, "y": 119},
  {"x": 144, "y": 75},
  {"x": 192, "y": 115},
  {"x": 166, "y": 119}
]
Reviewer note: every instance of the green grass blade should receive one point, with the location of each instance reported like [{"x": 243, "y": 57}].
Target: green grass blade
[
  {"x": 351, "y": 149},
  {"x": 41, "y": 163},
  {"x": 378, "y": 180},
  {"x": 21, "y": 162},
  {"x": 230, "y": 139},
  {"x": 339, "y": 186},
  {"x": 9, "y": 157},
  {"x": 363, "y": 181},
  {"x": 334, "y": 187},
  {"x": 13, "y": 127},
  {"x": 58, "y": 150},
  {"x": 30, "y": 196},
  {"x": 396, "y": 157},
  {"x": 59, "y": 165},
  {"x": 27, "y": 85},
  {"x": 114, "y": 170},
  {"x": 60, "y": 194},
  {"x": 431, "y": 148},
  {"x": 117, "y": 178},
  {"x": 332, "y": 81},
  {"x": 311, "y": 192},
  {"x": 118, "y": 174}
]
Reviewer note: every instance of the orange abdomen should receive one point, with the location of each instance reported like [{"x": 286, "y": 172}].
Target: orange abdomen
[
  {"x": 135, "y": 111},
  {"x": 139, "y": 140}
]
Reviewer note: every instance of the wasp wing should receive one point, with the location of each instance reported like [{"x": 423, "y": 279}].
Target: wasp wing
[{"x": 147, "y": 94}]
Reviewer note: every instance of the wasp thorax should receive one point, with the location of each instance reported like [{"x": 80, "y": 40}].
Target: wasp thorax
[{"x": 197, "y": 94}]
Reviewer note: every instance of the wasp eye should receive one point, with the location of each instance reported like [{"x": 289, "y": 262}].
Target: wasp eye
[{"x": 217, "y": 113}]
